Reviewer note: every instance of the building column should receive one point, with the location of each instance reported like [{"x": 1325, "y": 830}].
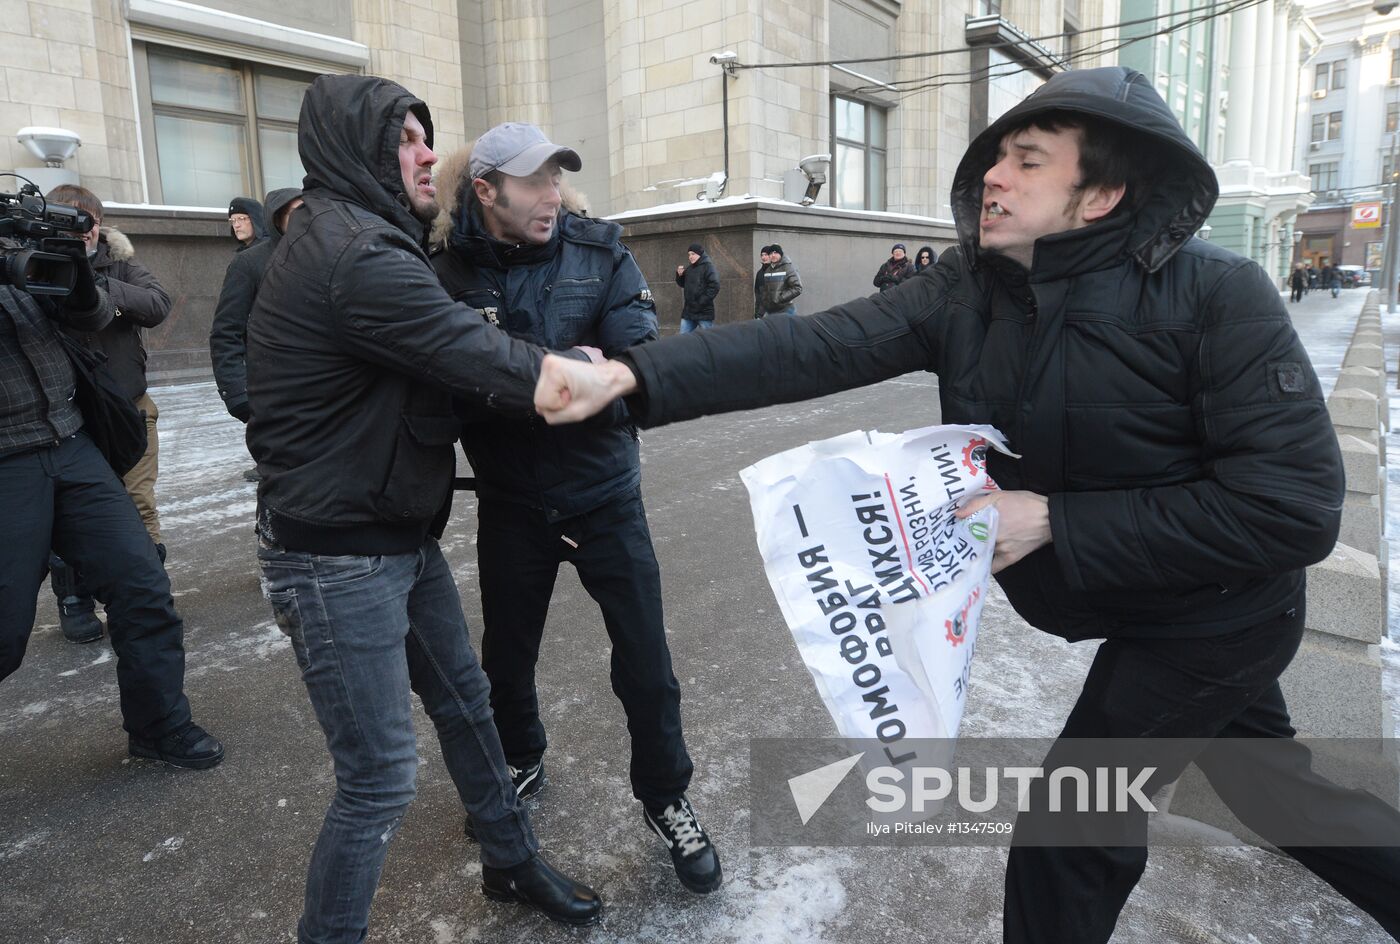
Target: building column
[
  {"x": 1239, "y": 115},
  {"x": 1292, "y": 66},
  {"x": 1263, "y": 80},
  {"x": 1278, "y": 90}
]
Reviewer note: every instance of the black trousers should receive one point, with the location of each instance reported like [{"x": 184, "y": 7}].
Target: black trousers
[
  {"x": 520, "y": 552},
  {"x": 66, "y": 497},
  {"x": 1296, "y": 295},
  {"x": 1218, "y": 687}
]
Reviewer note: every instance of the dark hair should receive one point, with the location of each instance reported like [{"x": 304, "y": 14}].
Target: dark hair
[
  {"x": 495, "y": 177},
  {"x": 80, "y": 197},
  {"x": 1110, "y": 154}
]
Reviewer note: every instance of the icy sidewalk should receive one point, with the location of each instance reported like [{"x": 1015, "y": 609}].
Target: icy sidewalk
[{"x": 95, "y": 849}]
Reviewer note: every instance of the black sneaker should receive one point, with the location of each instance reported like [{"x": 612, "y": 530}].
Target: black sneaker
[
  {"x": 539, "y": 885},
  {"x": 77, "y": 619},
  {"x": 695, "y": 858},
  {"x": 528, "y": 782},
  {"x": 191, "y": 747}
]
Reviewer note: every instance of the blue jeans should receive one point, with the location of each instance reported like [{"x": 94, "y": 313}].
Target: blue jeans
[
  {"x": 688, "y": 326},
  {"x": 365, "y": 630}
]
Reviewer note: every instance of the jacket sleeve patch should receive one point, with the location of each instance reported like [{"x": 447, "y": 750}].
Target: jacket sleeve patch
[{"x": 1288, "y": 380}]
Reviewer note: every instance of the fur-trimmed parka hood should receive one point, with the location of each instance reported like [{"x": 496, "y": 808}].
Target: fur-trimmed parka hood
[
  {"x": 119, "y": 248},
  {"x": 453, "y": 176}
]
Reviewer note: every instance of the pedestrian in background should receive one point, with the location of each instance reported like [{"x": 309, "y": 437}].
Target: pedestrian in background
[
  {"x": 700, "y": 284},
  {"x": 246, "y": 221},
  {"x": 924, "y": 258},
  {"x": 895, "y": 269},
  {"x": 138, "y": 302},
  {"x": 1298, "y": 283},
  {"x": 1331, "y": 278},
  {"x": 228, "y": 336},
  {"x": 780, "y": 285},
  {"x": 758, "y": 283}
]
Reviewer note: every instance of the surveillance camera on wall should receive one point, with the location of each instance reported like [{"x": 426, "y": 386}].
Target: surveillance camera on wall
[
  {"x": 1383, "y": 7},
  {"x": 53, "y": 146},
  {"x": 720, "y": 58}
]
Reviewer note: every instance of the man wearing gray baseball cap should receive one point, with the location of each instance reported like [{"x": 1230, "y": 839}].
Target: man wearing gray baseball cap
[
  {"x": 518, "y": 150},
  {"x": 532, "y": 263}
]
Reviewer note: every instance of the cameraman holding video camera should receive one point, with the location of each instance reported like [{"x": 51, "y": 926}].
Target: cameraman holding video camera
[{"x": 58, "y": 491}]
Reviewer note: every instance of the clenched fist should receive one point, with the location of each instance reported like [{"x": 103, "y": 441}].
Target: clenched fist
[{"x": 570, "y": 390}]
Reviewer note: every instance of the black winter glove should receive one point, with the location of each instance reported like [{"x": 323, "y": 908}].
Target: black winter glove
[
  {"x": 84, "y": 296},
  {"x": 239, "y": 410}
]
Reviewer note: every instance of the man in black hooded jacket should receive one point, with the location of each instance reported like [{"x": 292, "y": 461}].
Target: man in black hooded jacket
[
  {"x": 354, "y": 355},
  {"x": 1177, "y": 470}
]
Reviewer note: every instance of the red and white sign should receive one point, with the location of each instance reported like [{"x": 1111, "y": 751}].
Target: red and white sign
[{"x": 1366, "y": 216}]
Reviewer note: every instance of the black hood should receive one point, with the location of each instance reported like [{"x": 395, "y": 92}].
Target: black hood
[
  {"x": 275, "y": 201},
  {"x": 254, "y": 209},
  {"x": 348, "y": 139},
  {"x": 1178, "y": 201}
]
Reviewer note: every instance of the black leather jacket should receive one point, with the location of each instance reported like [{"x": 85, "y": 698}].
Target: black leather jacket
[
  {"x": 355, "y": 351},
  {"x": 1152, "y": 383}
]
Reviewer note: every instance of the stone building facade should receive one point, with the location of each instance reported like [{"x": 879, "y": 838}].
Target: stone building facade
[
  {"x": 181, "y": 106},
  {"x": 1349, "y": 134},
  {"x": 1232, "y": 82}
]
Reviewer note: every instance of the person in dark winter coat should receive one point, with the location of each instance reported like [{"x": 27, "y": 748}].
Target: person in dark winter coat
[
  {"x": 247, "y": 221},
  {"x": 779, "y": 285},
  {"x": 228, "y": 338},
  {"x": 1298, "y": 283},
  {"x": 139, "y": 302},
  {"x": 354, "y": 355},
  {"x": 554, "y": 495},
  {"x": 758, "y": 282},
  {"x": 1332, "y": 279},
  {"x": 58, "y": 493},
  {"x": 1076, "y": 306},
  {"x": 895, "y": 269},
  {"x": 924, "y": 259},
  {"x": 700, "y": 283}
]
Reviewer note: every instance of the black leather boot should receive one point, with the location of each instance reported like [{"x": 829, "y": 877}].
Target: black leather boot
[
  {"x": 539, "y": 885},
  {"x": 76, "y": 616}
]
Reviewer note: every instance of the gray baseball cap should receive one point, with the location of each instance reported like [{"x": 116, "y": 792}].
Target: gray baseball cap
[{"x": 518, "y": 150}]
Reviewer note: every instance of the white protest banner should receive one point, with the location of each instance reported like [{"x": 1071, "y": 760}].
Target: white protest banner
[{"x": 880, "y": 584}]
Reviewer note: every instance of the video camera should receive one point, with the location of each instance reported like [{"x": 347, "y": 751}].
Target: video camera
[{"x": 37, "y": 253}]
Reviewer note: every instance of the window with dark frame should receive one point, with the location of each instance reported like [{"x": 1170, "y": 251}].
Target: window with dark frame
[
  {"x": 1395, "y": 63},
  {"x": 1324, "y": 175},
  {"x": 858, "y": 151},
  {"x": 1326, "y": 126},
  {"x": 219, "y": 128},
  {"x": 1330, "y": 76},
  {"x": 1392, "y": 116}
]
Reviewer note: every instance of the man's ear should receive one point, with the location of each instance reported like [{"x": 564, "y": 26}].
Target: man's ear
[
  {"x": 484, "y": 192},
  {"x": 1100, "y": 201}
]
